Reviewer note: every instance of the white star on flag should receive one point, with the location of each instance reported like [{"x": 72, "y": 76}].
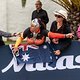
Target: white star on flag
[{"x": 25, "y": 57}]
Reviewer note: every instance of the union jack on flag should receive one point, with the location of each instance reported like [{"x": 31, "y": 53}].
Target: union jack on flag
[{"x": 31, "y": 54}]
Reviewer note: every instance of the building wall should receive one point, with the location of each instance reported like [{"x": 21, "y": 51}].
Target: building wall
[{"x": 3, "y": 13}]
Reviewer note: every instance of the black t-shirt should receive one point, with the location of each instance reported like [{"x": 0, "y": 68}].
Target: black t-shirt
[
  {"x": 29, "y": 34},
  {"x": 65, "y": 29},
  {"x": 42, "y": 14}
]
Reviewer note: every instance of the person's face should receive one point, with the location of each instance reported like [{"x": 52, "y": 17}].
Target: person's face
[
  {"x": 34, "y": 29},
  {"x": 38, "y": 5},
  {"x": 59, "y": 18}
]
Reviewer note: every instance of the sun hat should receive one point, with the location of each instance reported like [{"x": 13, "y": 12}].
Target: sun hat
[{"x": 62, "y": 13}]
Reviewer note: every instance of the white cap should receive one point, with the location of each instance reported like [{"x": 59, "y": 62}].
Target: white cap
[
  {"x": 35, "y": 22},
  {"x": 61, "y": 13}
]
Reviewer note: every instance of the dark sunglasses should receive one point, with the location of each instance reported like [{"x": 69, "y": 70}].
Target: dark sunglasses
[
  {"x": 58, "y": 16},
  {"x": 37, "y": 4}
]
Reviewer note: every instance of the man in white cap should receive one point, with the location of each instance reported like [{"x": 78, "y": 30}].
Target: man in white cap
[{"x": 35, "y": 35}]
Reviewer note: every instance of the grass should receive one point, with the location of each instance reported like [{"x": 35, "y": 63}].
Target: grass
[
  {"x": 12, "y": 42},
  {"x": 9, "y": 42}
]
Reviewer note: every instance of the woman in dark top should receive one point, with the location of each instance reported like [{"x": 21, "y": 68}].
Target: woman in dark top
[{"x": 60, "y": 26}]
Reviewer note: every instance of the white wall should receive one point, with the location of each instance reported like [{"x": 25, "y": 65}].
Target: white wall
[
  {"x": 14, "y": 18},
  {"x": 3, "y": 14}
]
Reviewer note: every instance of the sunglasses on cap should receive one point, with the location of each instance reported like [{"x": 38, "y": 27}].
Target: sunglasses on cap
[{"x": 58, "y": 16}]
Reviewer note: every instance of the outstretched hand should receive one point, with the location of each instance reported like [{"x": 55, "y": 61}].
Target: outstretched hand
[
  {"x": 69, "y": 35},
  {"x": 15, "y": 50},
  {"x": 16, "y": 34}
]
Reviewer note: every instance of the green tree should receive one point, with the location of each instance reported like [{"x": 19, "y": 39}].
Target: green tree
[{"x": 73, "y": 9}]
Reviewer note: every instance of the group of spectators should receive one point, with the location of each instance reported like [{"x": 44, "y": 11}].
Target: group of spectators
[{"x": 59, "y": 34}]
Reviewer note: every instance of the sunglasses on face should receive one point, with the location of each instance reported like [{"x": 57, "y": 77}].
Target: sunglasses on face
[
  {"x": 58, "y": 16},
  {"x": 37, "y": 4}
]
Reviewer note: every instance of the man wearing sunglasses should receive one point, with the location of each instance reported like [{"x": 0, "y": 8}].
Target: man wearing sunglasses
[{"x": 40, "y": 13}]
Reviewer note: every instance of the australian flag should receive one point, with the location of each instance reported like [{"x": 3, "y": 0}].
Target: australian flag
[{"x": 31, "y": 54}]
